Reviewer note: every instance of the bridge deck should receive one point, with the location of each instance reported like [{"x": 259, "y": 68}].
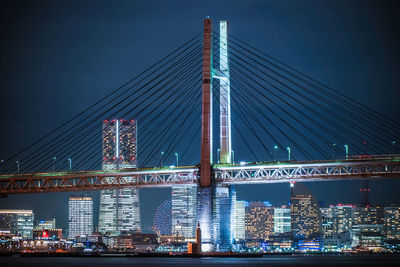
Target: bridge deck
[{"x": 250, "y": 173}]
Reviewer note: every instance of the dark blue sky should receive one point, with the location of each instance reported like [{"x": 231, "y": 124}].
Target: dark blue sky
[{"x": 57, "y": 57}]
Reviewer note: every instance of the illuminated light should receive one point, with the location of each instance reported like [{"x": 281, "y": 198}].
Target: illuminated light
[
  {"x": 242, "y": 163},
  {"x": 292, "y": 184},
  {"x": 45, "y": 234}
]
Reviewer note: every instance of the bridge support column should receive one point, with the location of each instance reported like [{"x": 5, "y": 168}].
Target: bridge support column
[{"x": 205, "y": 190}]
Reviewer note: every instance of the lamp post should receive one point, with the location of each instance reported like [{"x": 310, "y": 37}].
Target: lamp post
[
  {"x": 393, "y": 143},
  {"x": 2, "y": 162},
  {"x": 162, "y": 158},
  {"x": 276, "y": 151},
  {"x": 177, "y": 159},
  {"x": 333, "y": 151},
  {"x": 346, "y": 147},
  {"x": 54, "y": 159},
  {"x": 233, "y": 157},
  {"x": 70, "y": 164},
  {"x": 17, "y": 166},
  {"x": 288, "y": 150},
  {"x": 218, "y": 154}
]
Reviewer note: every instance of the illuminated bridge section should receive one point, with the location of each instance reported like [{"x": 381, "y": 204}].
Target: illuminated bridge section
[
  {"x": 96, "y": 180},
  {"x": 308, "y": 171},
  {"x": 254, "y": 173}
]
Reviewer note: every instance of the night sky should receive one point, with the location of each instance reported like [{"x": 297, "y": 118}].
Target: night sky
[{"x": 58, "y": 57}]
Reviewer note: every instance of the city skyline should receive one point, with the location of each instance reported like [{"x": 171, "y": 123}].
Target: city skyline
[{"x": 332, "y": 136}]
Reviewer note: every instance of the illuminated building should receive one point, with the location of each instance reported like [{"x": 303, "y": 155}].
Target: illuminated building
[
  {"x": 184, "y": 203},
  {"x": 306, "y": 218},
  {"x": 392, "y": 223},
  {"x": 328, "y": 226},
  {"x": 80, "y": 216},
  {"x": 17, "y": 222},
  {"x": 259, "y": 221},
  {"x": 368, "y": 215},
  {"x": 119, "y": 208},
  {"x": 46, "y": 224},
  {"x": 239, "y": 224},
  {"x": 281, "y": 220},
  {"x": 344, "y": 217},
  {"x": 223, "y": 218}
]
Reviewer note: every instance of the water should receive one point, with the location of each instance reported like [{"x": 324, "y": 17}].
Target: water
[{"x": 295, "y": 260}]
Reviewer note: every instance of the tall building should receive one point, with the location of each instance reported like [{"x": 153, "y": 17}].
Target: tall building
[
  {"x": 239, "y": 224},
  {"x": 223, "y": 218},
  {"x": 306, "y": 218},
  {"x": 392, "y": 223},
  {"x": 17, "y": 222},
  {"x": 259, "y": 221},
  {"x": 184, "y": 204},
  {"x": 80, "y": 216},
  {"x": 282, "y": 220},
  {"x": 344, "y": 217},
  {"x": 119, "y": 208},
  {"x": 368, "y": 215},
  {"x": 328, "y": 225}
]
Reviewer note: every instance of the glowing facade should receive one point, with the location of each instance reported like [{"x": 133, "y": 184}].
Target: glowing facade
[
  {"x": 184, "y": 204},
  {"x": 17, "y": 222},
  {"x": 305, "y": 213},
  {"x": 119, "y": 208},
  {"x": 259, "y": 221},
  {"x": 223, "y": 218},
  {"x": 240, "y": 213},
  {"x": 392, "y": 223},
  {"x": 281, "y": 220},
  {"x": 80, "y": 216}
]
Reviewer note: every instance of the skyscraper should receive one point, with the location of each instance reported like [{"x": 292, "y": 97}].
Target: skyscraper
[
  {"x": 18, "y": 222},
  {"x": 240, "y": 213},
  {"x": 184, "y": 204},
  {"x": 223, "y": 218},
  {"x": 306, "y": 218},
  {"x": 80, "y": 216},
  {"x": 281, "y": 220},
  {"x": 259, "y": 221},
  {"x": 119, "y": 208}
]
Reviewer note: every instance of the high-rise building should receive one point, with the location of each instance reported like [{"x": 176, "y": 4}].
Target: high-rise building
[
  {"x": 344, "y": 217},
  {"x": 17, "y": 222},
  {"x": 392, "y": 223},
  {"x": 223, "y": 218},
  {"x": 119, "y": 208},
  {"x": 240, "y": 214},
  {"x": 46, "y": 224},
  {"x": 259, "y": 221},
  {"x": 184, "y": 204},
  {"x": 368, "y": 215},
  {"x": 306, "y": 218},
  {"x": 80, "y": 216},
  {"x": 282, "y": 220},
  {"x": 328, "y": 225}
]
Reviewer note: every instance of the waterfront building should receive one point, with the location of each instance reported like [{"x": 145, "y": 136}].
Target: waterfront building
[
  {"x": 259, "y": 221},
  {"x": 49, "y": 233},
  {"x": 392, "y": 223},
  {"x": 184, "y": 203},
  {"x": 239, "y": 223},
  {"x": 16, "y": 222},
  {"x": 80, "y": 216},
  {"x": 344, "y": 217},
  {"x": 282, "y": 220},
  {"x": 368, "y": 215},
  {"x": 305, "y": 213},
  {"x": 119, "y": 208},
  {"x": 46, "y": 224},
  {"x": 223, "y": 218}
]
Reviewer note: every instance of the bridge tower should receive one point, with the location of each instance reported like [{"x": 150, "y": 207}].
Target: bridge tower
[{"x": 205, "y": 190}]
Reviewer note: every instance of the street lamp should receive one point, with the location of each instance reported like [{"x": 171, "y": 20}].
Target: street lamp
[
  {"x": 288, "y": 150},
  {"x": 70, "y": 164},
  {"x": 393, "y": 143},
  {"x": 233, "y": 157},
  {"x": 17, "y": 166},
  {"x": 276, "y": 149},
  {"x": 218, "y": 154},
  {"x": 347, "y": 151},
  {"x": 333, "y": 151},
  {"x": 54, "y": 159},
  {"x": 162, "y": 158},
  {"x": 2, "y": 162},
  {"x": 177, "y": 159}
]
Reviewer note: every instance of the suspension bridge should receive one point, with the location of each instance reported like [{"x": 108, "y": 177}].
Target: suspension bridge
[{"x": 287, "y": 127}]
